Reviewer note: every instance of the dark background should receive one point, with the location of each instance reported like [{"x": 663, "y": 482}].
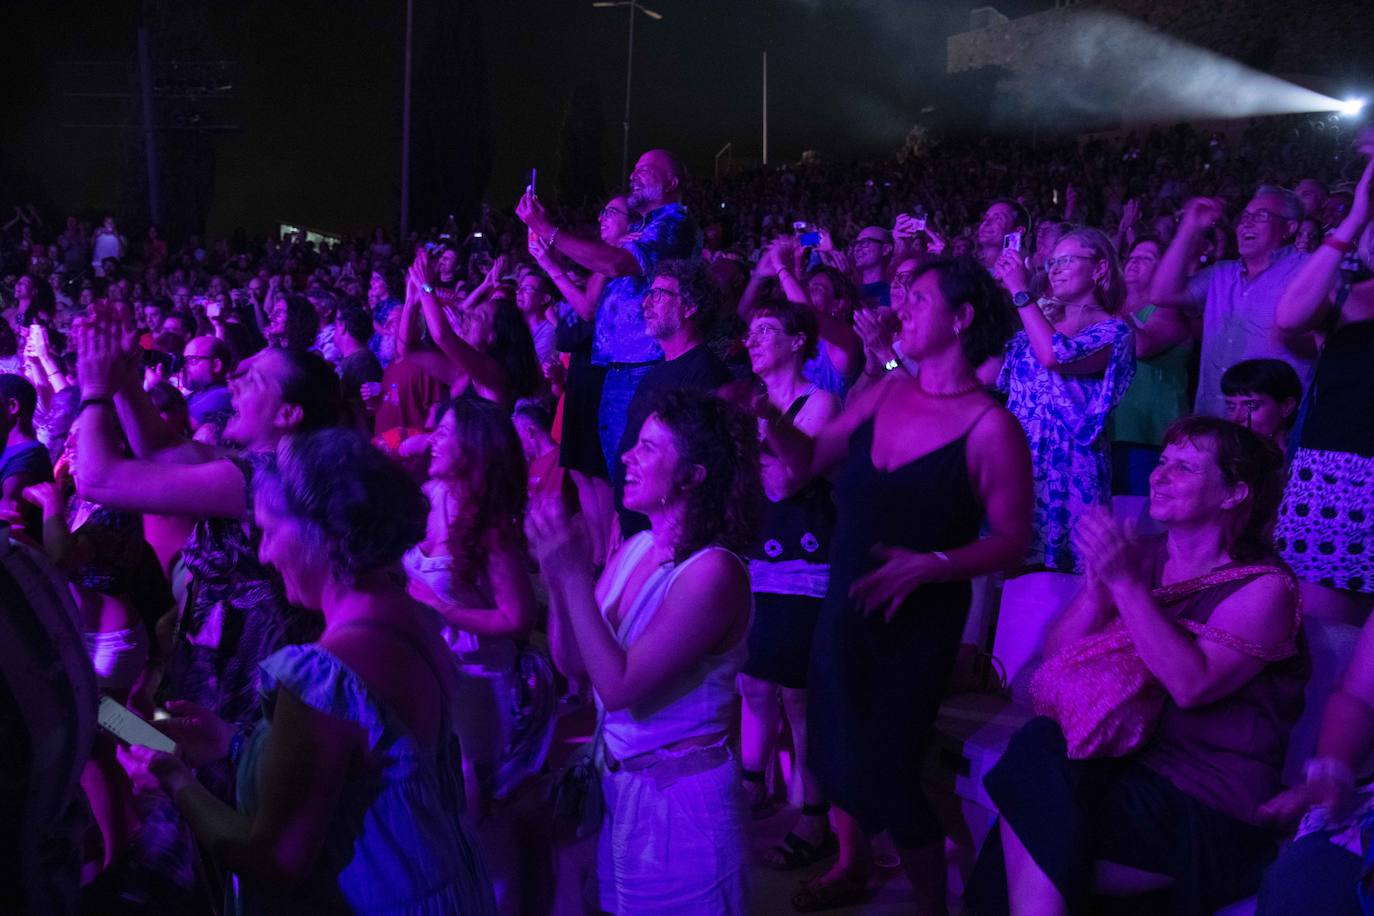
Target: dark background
[{"x": 315, "y": 108}]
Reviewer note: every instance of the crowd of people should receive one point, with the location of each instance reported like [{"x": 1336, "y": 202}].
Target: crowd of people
[{"x": 355, "y": 523}]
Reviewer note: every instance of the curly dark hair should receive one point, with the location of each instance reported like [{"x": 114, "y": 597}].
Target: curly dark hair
[
  {"x": 965, "y": 280},
  {"x": 302, "y": 324},
  {"x": 726, "y": 506},
  {"x": 694, "y": 286},
  {"x": 358, "y": 506},
  {"x": 1243, "y": 457},
  {"x": 495, "y": 483}
]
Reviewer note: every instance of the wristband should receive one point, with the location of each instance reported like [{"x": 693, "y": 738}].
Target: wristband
[
  {"x": 1343, "y": 247},
  {"x": 1329, "y": 768},
  {"x": 87, "y": 402}
]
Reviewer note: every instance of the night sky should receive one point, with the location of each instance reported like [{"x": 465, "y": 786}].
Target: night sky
[{"x": 320, "y": 91}]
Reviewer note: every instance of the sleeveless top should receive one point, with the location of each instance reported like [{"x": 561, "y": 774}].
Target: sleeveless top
[
  {"x": 1341, "y": 413},
  {"x": 478, "y": 655},
  {"x": 926, "y": 504},
  {"x": 396, "y": 843},
  {"x": 1229, "y": 754},
  {"x": 793, "y": 553},
  {"x": 703, "y": 702}
]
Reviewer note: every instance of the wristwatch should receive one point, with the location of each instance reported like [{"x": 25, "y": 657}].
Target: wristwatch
[
  {"x": 427, "y": 289},
  {"x": 1021, "y": 299},
  {"x": 892, "y": 364}
]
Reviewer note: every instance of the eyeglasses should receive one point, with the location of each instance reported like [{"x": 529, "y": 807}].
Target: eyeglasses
[
  {"x": 1257, "y": 216},
  {"x": 190, "y": 357},
  {"x": 763, "y": 331},
  {"x": 1065, "y": 260},
  {"x": 658, "y": 294},
  {"x": 903, "y": 278}
]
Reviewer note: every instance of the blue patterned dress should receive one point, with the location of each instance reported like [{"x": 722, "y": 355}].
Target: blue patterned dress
[{"x": 1064, "y": 416}]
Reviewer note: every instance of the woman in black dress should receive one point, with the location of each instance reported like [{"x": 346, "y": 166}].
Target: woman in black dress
[{"x": 920, "y": 464}]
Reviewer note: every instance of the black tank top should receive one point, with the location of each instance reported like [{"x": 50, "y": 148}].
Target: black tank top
[{"x": 1341, "y": 413}]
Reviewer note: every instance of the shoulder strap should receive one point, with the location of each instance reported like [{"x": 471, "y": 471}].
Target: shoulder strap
[{"x": 796, "y": 406}]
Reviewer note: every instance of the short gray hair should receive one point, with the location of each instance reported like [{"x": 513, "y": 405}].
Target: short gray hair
[{"x": 1292, "y": 206}]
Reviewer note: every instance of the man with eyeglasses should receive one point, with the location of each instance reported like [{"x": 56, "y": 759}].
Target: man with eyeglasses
[
  {"x": 620, "y": 340},
  {"x": 678, "y": 309},
  {"x": 872, "y": 252},
  {"x": 206, "y": 376},
  {"x": 1236, "y": 299}
]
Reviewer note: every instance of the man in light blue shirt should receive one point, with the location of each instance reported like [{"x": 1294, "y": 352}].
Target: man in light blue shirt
[{"x": 1236, "y": 299}]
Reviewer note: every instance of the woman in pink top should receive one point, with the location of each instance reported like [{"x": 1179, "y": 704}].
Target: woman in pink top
[{"x": 1180, "y": 814}]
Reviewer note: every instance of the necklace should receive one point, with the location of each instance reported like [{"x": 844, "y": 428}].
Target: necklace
[{"x": 956, "y": 393}]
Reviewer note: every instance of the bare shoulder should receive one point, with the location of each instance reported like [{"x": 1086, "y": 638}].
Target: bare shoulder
[
  {"x": 997, "y": 429},
  {"x": 1262, "y": 609}
]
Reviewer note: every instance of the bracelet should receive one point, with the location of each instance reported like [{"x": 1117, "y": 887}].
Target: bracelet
[
  {"x": 892, "y": 365},
  {"x": 1337, "y": 244},
  {"x": 1329, "y": 768},
  {"x": 553, "y": 239},
  {"x": 87, "y": 402}
]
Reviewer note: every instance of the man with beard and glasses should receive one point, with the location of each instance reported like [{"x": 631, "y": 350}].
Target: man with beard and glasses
[
  {"x": 677, "y": 310},
  {"x": 622, "y": 343}
]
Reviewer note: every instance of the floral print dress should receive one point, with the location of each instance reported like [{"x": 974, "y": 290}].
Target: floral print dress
[{"x": 1064, "y": 416}]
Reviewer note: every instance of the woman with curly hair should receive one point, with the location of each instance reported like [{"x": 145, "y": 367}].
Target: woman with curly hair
[
  {"x": 663, "y": 636},
  {"x": 470, "y": 567},
  {"x": 347, "y": 791}
]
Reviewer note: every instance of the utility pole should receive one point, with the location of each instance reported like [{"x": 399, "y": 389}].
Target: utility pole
[
  {"x": 405, "y": 129},
  {"x": 145, "y": 87},
  {"x": 765, "y": 107}
]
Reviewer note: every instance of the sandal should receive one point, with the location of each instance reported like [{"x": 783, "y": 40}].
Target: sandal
[
  {"x": 794, "y": 852},
  {"x": 818, "y": 895}
]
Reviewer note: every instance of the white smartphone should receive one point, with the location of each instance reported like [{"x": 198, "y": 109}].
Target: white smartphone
[{"x": 124, "y": 724}]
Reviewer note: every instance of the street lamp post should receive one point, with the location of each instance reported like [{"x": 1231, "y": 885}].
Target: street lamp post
[{"x": 634, "y": 6}]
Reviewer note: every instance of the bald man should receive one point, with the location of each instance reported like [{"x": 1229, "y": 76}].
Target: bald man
[
  {"x": 207, "y": 368},
  {"x": 620, "y": 340}
]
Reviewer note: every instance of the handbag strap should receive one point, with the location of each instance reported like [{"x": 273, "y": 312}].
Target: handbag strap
[{"x": 1171, "y": 594}]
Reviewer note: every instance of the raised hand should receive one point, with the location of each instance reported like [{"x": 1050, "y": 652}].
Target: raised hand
[
  {"x": 1011, "y": 271},
  {"x": 1109, "y": 551},
  {"x": 1200, "y": 213},
  {"x": 532, "y": 213},
  {"x": 559, "y": 541}
]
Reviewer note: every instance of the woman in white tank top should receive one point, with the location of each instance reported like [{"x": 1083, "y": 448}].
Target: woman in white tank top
[{"x": 662, "y": 635}]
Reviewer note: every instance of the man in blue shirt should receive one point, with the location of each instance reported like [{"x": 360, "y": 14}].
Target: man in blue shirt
[{"x": 620, "y": 342}]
